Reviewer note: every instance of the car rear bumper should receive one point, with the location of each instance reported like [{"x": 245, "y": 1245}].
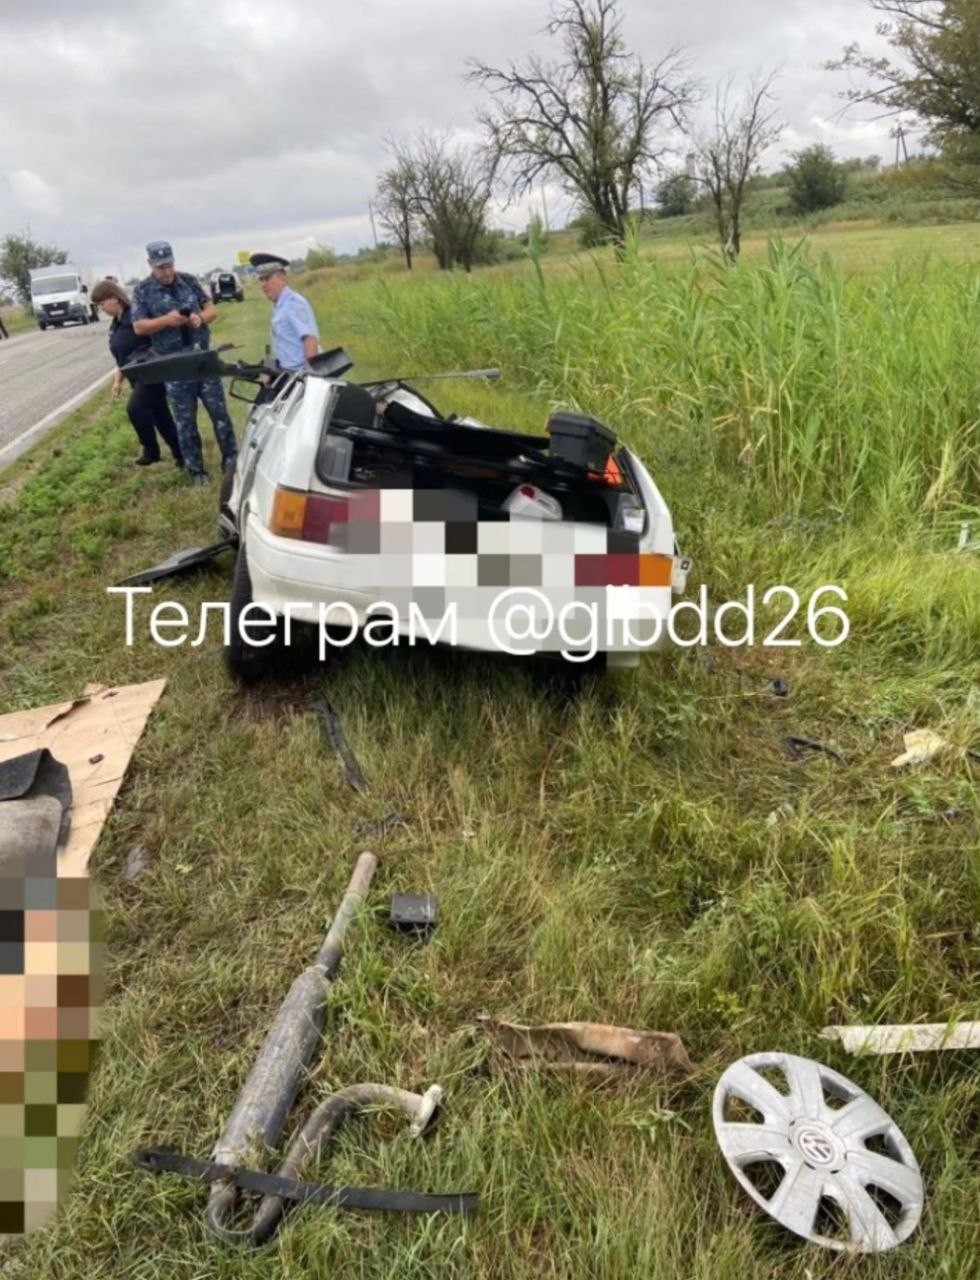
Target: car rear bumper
[{"x": 432, "y": 599}]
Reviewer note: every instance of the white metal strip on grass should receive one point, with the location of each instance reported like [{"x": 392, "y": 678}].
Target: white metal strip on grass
[{"x": 909, "y": 1038}]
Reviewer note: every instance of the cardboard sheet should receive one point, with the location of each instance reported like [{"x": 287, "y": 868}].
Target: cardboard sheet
[{"x": 95, "y": 737}]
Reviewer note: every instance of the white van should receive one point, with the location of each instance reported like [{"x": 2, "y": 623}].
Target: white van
[{"x": 60, "y": 294}]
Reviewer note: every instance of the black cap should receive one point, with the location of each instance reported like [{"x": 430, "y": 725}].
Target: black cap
[{"x": 267, "y": 264}]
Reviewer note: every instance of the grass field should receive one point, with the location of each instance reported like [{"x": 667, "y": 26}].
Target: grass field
[
  {"x": 16, "y": 319},
  {"x": 642, "y": 852}
]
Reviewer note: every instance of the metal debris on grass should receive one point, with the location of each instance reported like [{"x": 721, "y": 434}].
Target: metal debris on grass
[
  {"x": 337, "y": 739},
  {"x": 574, "y": 1046},
  {"x": 797, "y": 747},
  {"x": 912, "y": 1037},
  {"x": 180, "y": 562}
]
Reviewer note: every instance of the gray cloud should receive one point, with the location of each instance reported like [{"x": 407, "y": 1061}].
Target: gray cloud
[{"x": 239, "y": 124}]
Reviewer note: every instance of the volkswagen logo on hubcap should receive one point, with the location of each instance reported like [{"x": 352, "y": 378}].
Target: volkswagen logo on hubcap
[{"x": 816, "y": 1145}]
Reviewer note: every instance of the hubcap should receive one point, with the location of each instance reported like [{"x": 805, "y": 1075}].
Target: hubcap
[{"x": 810, "y": 1135}]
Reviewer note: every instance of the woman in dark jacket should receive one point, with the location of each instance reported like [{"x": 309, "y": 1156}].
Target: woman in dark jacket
[{"x": 147, "y": 407}]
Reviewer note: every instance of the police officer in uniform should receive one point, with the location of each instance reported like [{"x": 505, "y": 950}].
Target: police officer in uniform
[
  {"x": 172, "y": 309},
  {"x": 295, "y": 336}
]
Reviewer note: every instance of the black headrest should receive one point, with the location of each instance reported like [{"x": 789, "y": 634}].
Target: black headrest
[{"x": 353, "y": 407}]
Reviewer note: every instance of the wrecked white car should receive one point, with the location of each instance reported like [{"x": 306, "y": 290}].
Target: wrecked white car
[{"x": 358, "y": 508}]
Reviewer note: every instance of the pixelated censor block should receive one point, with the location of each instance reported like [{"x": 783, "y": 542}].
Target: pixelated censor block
[{"x": 60, "y": 769}]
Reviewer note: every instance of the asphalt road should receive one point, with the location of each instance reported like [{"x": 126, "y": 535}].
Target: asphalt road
[{"x": 43, "y": 377}]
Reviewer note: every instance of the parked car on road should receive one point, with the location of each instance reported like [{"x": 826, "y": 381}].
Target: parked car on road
[{"x": 226, "y": 287}]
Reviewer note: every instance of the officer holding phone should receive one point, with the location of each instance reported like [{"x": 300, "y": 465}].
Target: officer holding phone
[{"x": 172, "y": 309}]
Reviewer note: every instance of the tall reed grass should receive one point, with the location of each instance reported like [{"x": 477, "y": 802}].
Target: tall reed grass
[{"x": 819, "y": 391}]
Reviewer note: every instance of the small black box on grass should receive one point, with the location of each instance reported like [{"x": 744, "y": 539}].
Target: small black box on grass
[
  {"x": 582, "y": 441},
  {"x": 414, "y": 913}
]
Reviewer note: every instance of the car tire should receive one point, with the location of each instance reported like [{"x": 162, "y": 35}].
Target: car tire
[
  {"x": 42, "y": 327},
  {"x": 226, "y": 517},
  {"x": 245, "y": 661}
]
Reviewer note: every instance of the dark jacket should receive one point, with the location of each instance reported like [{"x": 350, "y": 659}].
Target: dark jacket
[{"x": 123, "y": 342}]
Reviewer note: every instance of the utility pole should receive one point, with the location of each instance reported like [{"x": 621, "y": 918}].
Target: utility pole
[{"x": 374, "y": 234}]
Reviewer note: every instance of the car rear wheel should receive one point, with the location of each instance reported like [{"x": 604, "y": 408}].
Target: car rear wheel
[{"x": 247, "y": 661}]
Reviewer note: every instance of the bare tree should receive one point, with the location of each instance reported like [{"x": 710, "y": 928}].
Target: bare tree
[
  {"x": 728, "y": 156},
  {"x": 450, "y": 191},
  {"x": 396, "y": 207},
  {"x": 595, "y": 120}
]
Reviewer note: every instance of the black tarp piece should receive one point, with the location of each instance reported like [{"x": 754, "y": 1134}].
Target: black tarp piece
[
  {"x": 180, "y": 562},
  {"x": 35, "y": 818},
  {"x": 35, "y": 775}
]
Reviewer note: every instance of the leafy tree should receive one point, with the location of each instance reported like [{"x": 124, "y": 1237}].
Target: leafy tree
[
  {"x": 937, "y": 77},
  {"x": 595, "y": 120},
  {"x": 676, "y": 194},
  {"x": 20, "y": 255},
  {"x": 728, "y": 157},
  {"x": 321, "y": 256},
  {"x": 816, "y": 180}
]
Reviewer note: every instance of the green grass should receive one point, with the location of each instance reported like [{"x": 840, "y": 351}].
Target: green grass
[
  {"x": 17, "y": 319},
  {"x": 642, "y": 853}
]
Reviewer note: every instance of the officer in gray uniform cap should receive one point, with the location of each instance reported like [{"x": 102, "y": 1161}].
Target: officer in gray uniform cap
[
  {"x": 295, "y": 335},
  {"x": 172, "y": 309}
]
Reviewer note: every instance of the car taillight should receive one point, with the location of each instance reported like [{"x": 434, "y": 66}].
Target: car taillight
[
  {"x": 308, "y": 517},
  {"x": 631, "y": 516},
  {"x": 624, "y": 570}
]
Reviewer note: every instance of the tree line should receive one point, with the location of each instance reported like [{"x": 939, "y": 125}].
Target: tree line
[{"x": 598, "y": 120}]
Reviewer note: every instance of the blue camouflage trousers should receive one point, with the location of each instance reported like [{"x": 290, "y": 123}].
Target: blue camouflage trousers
[{"x": 183, "y": 397}]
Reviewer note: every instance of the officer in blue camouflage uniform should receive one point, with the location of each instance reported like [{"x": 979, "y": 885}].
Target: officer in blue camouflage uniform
[{"x": 171, "y": 308}]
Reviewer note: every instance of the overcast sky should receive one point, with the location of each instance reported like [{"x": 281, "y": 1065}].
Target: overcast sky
[{"x": 245, "y": 124}]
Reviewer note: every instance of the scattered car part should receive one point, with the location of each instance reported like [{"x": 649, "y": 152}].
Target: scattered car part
[
  {"x": 382, "y": 829},
  {"x": 324, "y": 1123},
  {"x": 337, "y": 739},
  {"x": 912, "y": 1037},
  {"x": 416, "y": 914},
  {"x": 267, "y": 1096},
  {"x": 808, "y": 1160},
  {"x": 569, "y": 1046},
  {"x": 275, "y": 1188},
  {"x": 798, "y": 746},
  {"x": 921, "y": 746},
  {"x": 275, "y": 1079},
  {"x": 180, "y": 562}
]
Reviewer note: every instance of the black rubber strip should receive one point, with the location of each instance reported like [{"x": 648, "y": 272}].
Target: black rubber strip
[
  {"x": 335, "y": 736},
  {"x": 797, "y": 746},
  {"x": 375, "y": 1199}
]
